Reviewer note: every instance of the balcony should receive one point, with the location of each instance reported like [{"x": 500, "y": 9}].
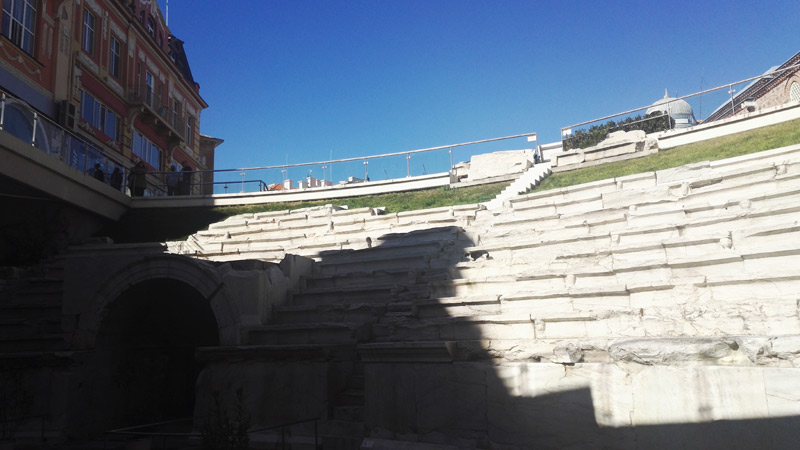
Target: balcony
[{"x": 157, "y": 114}]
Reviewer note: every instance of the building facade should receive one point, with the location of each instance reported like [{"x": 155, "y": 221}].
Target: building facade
[
  {"x": 778, "y": 86},
  {"x": 109, "y": 73}
]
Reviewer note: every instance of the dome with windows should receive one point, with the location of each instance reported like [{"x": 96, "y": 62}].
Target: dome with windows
[{"x": 679, "y": 110}]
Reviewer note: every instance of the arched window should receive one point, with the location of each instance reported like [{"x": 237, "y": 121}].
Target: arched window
[{"x": 794, "y": 92}]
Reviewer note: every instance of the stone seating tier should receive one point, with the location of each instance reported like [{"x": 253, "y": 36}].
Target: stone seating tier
[
  {"x": 608, "y": 260},
  {"x": 686, "y": 213},
  {"x": 691, "y": 177},
  {"x": 710, "y": 253},
  {"x": 653, "y": 262},
  {"x": 268, "y": 236},
  {"x": 307, "y": 333},
  {"x": 682, "y": 270},
  {"x": 660, "y": 200},
  {"x": 673, "y": 241},
  {"x": 397, "y": 276}
]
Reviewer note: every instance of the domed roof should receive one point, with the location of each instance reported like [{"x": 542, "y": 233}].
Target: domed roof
[{"x": 670, "y": 105}]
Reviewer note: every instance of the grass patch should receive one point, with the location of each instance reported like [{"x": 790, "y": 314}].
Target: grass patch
[
  {"x": 746, "y": 142},
  {"x": 394, "y": 202}
]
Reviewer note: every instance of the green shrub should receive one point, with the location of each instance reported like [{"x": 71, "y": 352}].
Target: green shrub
[{"x": 222, "y": 431}]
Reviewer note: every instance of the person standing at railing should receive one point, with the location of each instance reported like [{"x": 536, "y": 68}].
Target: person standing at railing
[
  {"x": 186, "y": 179},
  {"x": 138, "y": 181},
  {"x": 173, "y": 180},
  {"x": 98, "y": 173},
  {"x": 116, "y": 179}
]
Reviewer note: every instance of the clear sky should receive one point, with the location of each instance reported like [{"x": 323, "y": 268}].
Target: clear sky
[{"x": 292, "y": 81}]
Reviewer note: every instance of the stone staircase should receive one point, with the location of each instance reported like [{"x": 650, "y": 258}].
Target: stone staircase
[
  {"x": 350, "y": 290},
  {"x": 528, "y": 180}
]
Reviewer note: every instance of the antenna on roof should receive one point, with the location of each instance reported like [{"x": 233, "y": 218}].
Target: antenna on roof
[
  {"x": 167, "y": 13},
  {"x": 700, "y": 100}
]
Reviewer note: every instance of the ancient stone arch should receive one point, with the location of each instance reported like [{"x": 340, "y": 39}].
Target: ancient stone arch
[{"x": 201, "y": 276}]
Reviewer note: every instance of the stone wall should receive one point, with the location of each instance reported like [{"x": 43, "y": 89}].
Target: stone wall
[
  {"x": 779, "y": 95},
  {"x": 497, "y": 164}
]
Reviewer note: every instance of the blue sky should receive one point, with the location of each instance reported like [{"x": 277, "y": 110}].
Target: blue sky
[{"x": 292, "y": 81}]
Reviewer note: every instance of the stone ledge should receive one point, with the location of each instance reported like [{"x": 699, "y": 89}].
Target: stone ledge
[
  {"x": 289, "y": 352},
  {"x": 431, "y": 351}
]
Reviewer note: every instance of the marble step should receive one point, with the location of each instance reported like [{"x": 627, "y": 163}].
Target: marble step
[
  {"x": 401, "y": 276},
  {"x": 571, "y": 241},
  {"x": 354, "y": 314},
  {"x": 677, "y": 212},
  {"x": 697, "y": 173},
  {"x": 604, "y": 196},
  {"x": 749, "y": 241},
  {"x": 695, "y": 305},
  {"x": 595, "y": 271},
  {"x": 307, "y": 333},
  {"x": 649, "y": 350},
  {"x": 350, "y": 314},
  {"x": 621, "y": 322},
  {"x": 345, "y": 296},
  {"x": 416, "y": 257}
]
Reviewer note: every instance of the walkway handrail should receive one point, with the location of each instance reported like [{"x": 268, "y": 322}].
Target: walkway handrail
[
  {"x": 62, "y": 143},
  {"x": 383, "y": 155},
  {"x": 282, "y": 427},
  {"x": 769, "y": 74},
  {"x": 127, "y": 430}
]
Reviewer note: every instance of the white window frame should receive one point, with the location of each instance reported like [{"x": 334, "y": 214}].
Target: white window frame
[
  {"x": 98, "y": 115},
  {"x": 89, "y": 22},
  {"x": 115, "y": 57},
  {"x": 19, "y": 23},
  {"x": 149, "y": 82},
  {"x": 146, "y": 150}
]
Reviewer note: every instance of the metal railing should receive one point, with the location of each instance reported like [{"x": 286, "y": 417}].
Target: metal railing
[
  {"x": 727, "y": 98},
  {"x": 323, "y": 174},
  {"x": 22, "y": 121},
  {"x": 166, "y": 437},
  {"x": 143, "y": 96},
  {"x": 26, "y": 123}
]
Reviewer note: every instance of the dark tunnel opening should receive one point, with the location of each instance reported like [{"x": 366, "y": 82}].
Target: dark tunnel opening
[{"x": 145, "y": 348}]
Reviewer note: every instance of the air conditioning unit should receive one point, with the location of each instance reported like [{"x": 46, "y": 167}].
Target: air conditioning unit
[{"x": 66, "y": 114}]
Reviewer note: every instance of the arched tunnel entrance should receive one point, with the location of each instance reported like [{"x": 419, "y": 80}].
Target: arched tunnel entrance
[{"x": 146, "y": 344}]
